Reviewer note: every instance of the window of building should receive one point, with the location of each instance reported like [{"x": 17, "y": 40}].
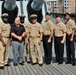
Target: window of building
[{"x": 65, "y": 8}]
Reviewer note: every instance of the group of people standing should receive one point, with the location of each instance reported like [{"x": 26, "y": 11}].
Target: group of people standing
[
  {"x": 31, "y": 35},
  {"x": 59, "y": 32}
]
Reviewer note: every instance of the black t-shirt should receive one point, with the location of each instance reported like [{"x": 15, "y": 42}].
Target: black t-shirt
[{"x": 18, "y": 31}]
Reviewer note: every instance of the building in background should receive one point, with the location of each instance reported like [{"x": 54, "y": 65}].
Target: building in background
[
  {"x": 52, "y": 5},
  {"x": 61, "y": 6},
  {"x": 69, "y": 6}
]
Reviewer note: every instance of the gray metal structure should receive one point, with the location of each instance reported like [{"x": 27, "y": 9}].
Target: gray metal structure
[
  {"x": 37, "y": 4},
  {"x": 10, "y": 4}
]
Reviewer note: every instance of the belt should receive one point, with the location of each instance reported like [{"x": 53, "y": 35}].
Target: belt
[
  {"x": 69, "y": 34},
  {"x": 35, "y": 37},
  {"x": 5, "y": 37},
  {"x": 46, "y": 35},
  {"x": 58, "y": 36}
]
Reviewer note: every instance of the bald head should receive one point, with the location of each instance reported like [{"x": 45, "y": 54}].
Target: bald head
[{"x": 17, "y": 21}]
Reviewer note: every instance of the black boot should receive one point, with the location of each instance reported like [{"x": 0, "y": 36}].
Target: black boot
[{"x": 1, "y": 67}]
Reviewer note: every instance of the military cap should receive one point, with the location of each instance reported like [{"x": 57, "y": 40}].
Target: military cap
[
  {"x": 47, "y": 13},
  {"x": 67, "y": 14},
  {"x": 33, "y": 16},
  {"x": 22, "y": 16},
  {"x": 4, "y": 15}
]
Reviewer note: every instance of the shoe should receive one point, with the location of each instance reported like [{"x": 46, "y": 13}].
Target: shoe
[
  {"x": 60, "y": 63},
  {"x": 1, "y": 67},
  {"x": 55, "y": 61},
  {"x": 47, "y": 63},
  {"x": 73, "y": 63},
  {"x": 15, "y": 64},
  {"x": 6, "y": 65},
  {"x": 68, "y": 63},
  {"x": 34, "y": 63},
  {"x": 40, "y": 65},
  {"x": 21, "y": 63},
  {"x": 28, "y": 62}
]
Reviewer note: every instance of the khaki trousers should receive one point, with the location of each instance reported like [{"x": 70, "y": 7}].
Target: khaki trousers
[
  {"x": 33, "y": 44},
  {"x": 4, "y": 52},
  {"x": 28, "y": 52}
]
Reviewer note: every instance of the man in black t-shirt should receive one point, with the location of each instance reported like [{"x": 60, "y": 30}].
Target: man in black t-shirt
[{"x": 18, "y": 34}]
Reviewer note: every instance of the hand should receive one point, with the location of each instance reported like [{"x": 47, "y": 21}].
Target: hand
[
  {"x": 27, "y": 41},
  {"x": 10, "y": 43},
  {"x": 3, "y": 43},
  {"x": 62, "y": 42},
  {"x": 39, "y": 42},
  {"x": 19, "y": 38},
  {"x": 49, "y": 40},
  {"x": 71, "y": 39}
]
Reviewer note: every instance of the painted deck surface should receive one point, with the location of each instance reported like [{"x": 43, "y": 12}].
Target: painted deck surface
[{"x": 28, "y": 69}]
